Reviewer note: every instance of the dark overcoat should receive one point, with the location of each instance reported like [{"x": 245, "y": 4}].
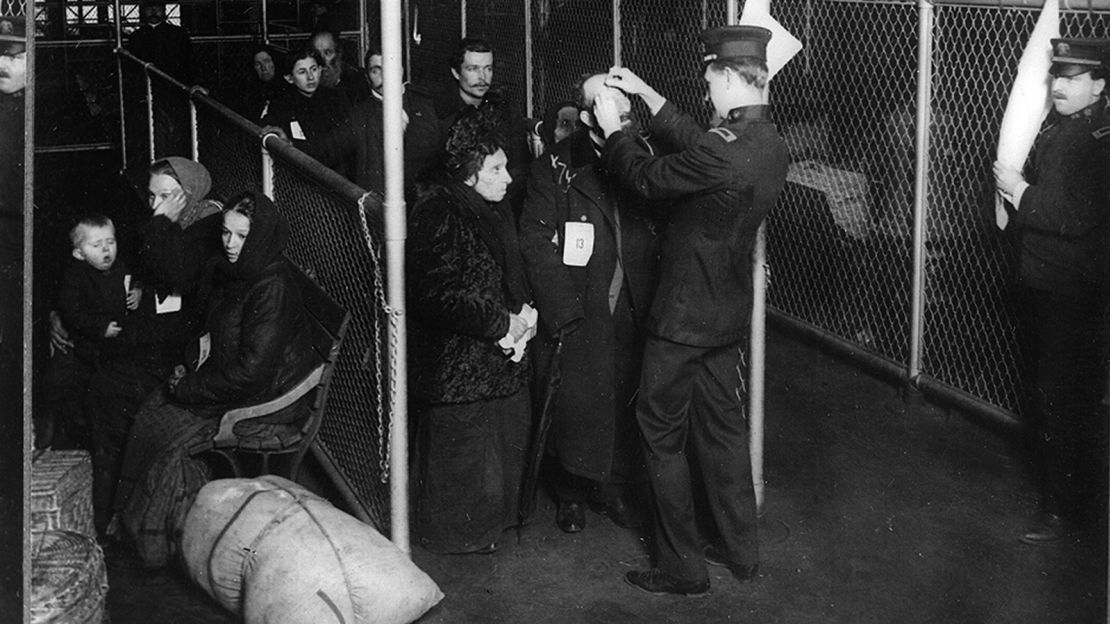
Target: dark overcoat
[
  {"x": 459, "y": 299},
  {"x": 567, "y": 185},
  {"x": 724, "y": 181}
]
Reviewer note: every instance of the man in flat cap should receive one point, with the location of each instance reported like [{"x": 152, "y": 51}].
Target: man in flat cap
[
  {"x": 721, "y": 183},
  {"x": 1061, "y": 205}
]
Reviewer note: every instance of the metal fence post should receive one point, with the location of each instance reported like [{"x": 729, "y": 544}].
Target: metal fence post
[
  {"x": 528, "y": 78},
  {"x": 920, "y": 184},
  {"x": 617, "y": 33},
  {"x": 149, "y": 110},
  {"x": 395, "y": 234},
  {"x": 194, "y": 139}
]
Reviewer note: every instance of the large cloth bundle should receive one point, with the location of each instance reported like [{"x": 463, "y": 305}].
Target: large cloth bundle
[{"x": 272, "y": 551}]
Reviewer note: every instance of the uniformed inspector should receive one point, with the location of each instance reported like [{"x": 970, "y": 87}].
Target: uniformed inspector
[
  {"x": 721, "y": 183},
  {"x": 1061, "y": 207}
]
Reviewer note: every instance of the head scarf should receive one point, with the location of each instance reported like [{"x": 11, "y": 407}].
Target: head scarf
[
  {"x": 196, "y": 182},
  {"x": 264, "y": 244}
]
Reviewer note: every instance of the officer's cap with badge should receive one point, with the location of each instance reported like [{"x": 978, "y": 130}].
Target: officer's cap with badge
[
  {"x": 13, "y": 34},
  {"x": 731, "y": 42},
  {"x": 1072, "y": 57}
]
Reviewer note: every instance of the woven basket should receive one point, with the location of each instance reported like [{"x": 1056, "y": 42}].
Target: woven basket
[
  {"x": 61, "y": 492},
  {"x": 69, "y": 582}
]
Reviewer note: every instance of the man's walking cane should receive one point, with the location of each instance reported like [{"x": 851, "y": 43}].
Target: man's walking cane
[{"x": 539, "y": 440}]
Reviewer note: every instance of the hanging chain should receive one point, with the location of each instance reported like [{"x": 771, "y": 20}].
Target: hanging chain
[{"x": 380, "y": 300}]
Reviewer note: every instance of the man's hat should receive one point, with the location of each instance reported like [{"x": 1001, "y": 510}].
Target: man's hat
[
  {"x": 1071, "y": 57},
  {"x": 13, "y": 28},
  {"x": 728, "y": 42}
]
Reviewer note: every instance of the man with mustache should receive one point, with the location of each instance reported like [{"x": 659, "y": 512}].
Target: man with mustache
[
  {"x": 1061, "y": 207},
  {"x": 472, "y": 69},
  {"x": 591, "y": 253}
]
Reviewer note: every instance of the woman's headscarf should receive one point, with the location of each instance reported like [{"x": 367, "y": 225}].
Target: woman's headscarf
[
  {"x": 265, "y": 242},
  {"x": 196, "y": 182}
]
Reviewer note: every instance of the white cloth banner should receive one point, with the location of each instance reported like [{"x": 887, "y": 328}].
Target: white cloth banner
[
  {"x": 783, "y": 46},
  {"x": 1030, "y": 98}
]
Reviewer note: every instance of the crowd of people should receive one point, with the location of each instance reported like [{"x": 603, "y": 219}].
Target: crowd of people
[{"x": 618, "y": 262}]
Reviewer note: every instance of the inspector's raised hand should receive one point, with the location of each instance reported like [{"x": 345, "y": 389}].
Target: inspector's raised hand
[
  {"x": 606, "y": 113},
  {"x": 622, "y": 78}
]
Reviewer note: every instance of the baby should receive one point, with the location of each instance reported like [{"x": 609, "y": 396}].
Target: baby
[{"x": 94, "y": 299}]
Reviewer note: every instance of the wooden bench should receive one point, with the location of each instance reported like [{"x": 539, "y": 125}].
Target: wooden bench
[{"x": 327, "y": 323}]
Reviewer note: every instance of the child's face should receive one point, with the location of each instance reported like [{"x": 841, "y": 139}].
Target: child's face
[{"x": 97, "y": 247}]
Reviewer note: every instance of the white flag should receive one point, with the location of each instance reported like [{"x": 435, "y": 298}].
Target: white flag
[
  {"x": 1030, "y": 98},
  {"x": 783, "y": 46}
]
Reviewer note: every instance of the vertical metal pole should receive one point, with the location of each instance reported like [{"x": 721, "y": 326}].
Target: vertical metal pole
[
  {"x": 264, "y": 27},
  {"x": 616, "y": 33},
  {"x": 149, "y": 110},
  {"x": 363, "y": 33},
  {"x": 119, "y": 82},
  {"x": 395, "y": 227},
  {"x": 462, "y": 18},
  {"x": 528, "y": 78},
  {"x": 757, "y": 344},
  {"x": 193, "y": 134},
  {"x": 267, "y": 173},
  {"x": 920, "y": 182},
  {"x": 28, "y": 293}
]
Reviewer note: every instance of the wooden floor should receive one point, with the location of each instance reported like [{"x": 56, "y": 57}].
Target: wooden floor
[{"x": 876, "y": 513}]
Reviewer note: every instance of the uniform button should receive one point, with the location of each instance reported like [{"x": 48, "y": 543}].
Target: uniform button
[{"x": 583, "y": 217}]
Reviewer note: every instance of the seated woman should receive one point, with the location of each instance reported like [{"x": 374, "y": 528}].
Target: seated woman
[
  {"x": 179, "y": 240},
  {"x": 257, "y": 348},
  {"x": 467, "y": 293},
  {"x": 265, "y": 85},
  {"x": 307, "y": 110}
]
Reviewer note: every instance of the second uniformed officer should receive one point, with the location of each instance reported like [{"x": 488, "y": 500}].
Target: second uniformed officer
[{"x": 692, "y": 391}]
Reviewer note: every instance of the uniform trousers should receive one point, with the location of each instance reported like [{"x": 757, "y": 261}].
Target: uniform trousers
[
  {"x": 1065, "y": 395},
  {"x": 692, "y": 414}
]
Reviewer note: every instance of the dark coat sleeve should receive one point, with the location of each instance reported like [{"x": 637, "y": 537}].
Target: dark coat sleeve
[
  {"x": 175, "y": 258},
  {"x": 703, "y": 167},
  {"x": 77, "y": 312},
  {"x": 268, "y": 318},
  {"x": 440, "y": 294},
  {"x": 1058, "y": 203},
  {"x": 558, "y": 299}
]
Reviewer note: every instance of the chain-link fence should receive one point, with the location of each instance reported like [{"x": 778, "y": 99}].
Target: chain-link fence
[
  {"x": 841, "y": 243},
  {"x": 336, "y": 237}
]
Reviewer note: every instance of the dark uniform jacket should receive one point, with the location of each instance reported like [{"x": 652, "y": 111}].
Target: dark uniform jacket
[
  {"x": 567, "y": 184},
  {"x": 726, "y": 180},
  {"x": 462, "y": 287},
  {"x": 1065, "y": 213}
]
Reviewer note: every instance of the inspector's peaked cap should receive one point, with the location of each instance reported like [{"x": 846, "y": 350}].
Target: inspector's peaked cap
[
  {"x": 1071, "y": 57},
  {"x": 728, "y": 42}
]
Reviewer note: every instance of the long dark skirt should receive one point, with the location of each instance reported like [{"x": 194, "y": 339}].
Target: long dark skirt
[
  {"x": 470, "y": 464},
  {"x": 158, "y": 480}
]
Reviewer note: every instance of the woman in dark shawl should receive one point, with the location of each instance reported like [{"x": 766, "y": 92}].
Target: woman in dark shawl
[
  {"x": 257, "y": 348},
  {"x": 471, "y": 322}
]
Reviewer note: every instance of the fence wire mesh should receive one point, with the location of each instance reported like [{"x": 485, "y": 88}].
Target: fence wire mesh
[
  {"x": 328, "y": 242},
  {"x": 840, "y": 243}
]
